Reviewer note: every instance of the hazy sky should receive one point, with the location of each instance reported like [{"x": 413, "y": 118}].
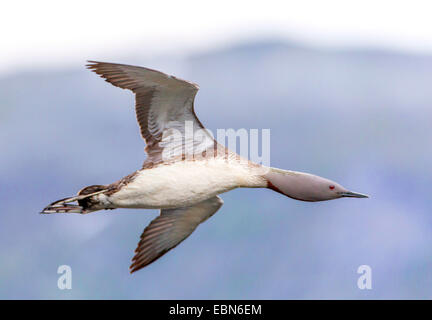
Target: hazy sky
[{"x": 46, "y": 32}]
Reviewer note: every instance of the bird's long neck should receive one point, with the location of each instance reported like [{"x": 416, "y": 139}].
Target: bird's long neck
[{"x": 290, "y": 183}]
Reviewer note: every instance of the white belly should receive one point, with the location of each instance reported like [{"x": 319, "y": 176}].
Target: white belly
[{"x": 184, "y": 183}]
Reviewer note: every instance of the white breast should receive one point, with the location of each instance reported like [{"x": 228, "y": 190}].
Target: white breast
[{"x": 184, "y": 183}]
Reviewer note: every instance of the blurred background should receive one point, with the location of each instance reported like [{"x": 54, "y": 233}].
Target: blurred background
[{"x": 344, "y": 86}]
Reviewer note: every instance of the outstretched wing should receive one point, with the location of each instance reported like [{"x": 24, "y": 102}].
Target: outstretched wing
[
  {"x": 164, "y": 109},
  {"x": 170, "y": 228}
]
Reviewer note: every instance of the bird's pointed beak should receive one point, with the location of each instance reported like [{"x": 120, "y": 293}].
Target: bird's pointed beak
[{"x": 350, "y": 194}]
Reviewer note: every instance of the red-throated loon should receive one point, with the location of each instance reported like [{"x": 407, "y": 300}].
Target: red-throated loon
[{"x": 182, "y": 174}]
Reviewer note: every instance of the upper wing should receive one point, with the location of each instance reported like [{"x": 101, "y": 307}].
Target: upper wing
[
  {"x": 169, "y": 229},
  {"x": 164, "y": 110}
]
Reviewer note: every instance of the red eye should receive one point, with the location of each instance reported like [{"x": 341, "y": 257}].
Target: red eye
[{"x": 331, "y": 187}]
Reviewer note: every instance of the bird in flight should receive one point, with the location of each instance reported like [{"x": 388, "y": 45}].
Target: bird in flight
[{"x": 185, "y": 169}]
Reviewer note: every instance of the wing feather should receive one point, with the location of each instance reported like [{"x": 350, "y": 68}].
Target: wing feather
[
  {"x": 170, "y": 228},
  {"x": 164, "y": 107}
]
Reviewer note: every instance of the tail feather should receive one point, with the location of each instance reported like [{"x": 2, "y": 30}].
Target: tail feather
[
  {"x": 64, "y": 206},
  {"x": 67, "y": 208}
]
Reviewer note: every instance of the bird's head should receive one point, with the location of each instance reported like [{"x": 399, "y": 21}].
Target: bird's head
[{"x": 306, "y": 187}]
